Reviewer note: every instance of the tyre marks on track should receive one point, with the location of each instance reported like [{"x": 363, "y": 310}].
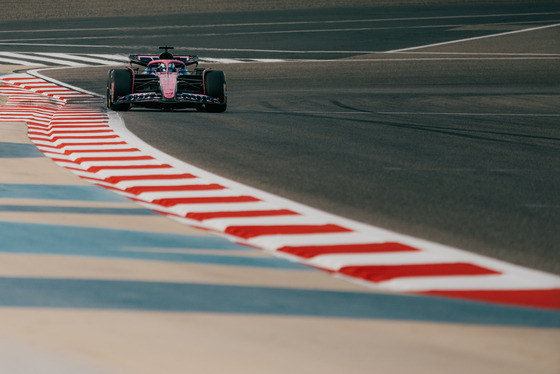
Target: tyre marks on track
[{"x": 75, "y": 133}]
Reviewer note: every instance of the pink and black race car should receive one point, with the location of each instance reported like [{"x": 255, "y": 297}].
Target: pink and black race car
[{"x": 166, "y": 82}]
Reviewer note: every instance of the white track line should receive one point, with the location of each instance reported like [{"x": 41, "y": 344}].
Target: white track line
[
  {"x": 474, "y": 38},
  {"x": 68, "y": 56},
  {"x": 27, "y": 57}
]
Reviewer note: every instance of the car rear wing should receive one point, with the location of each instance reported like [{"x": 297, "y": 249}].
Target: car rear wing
[{"x": 144, "y": 60}]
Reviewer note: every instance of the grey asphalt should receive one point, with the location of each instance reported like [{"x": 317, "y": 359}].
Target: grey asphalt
[{"x": 461, "y": 149}]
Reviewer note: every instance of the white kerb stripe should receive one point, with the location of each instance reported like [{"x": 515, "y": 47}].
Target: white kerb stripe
[
  {"x": 223, "y": 223},
  {"x": 319, "y": 239},
  {"x": 478, "y": 282},
  {"x": 89, "y": 164},
  {"x": 160, "y": 182},
  {"x": 151, "y": 196},
  {"x": 132, "y": 172},
  {"x": 183, "y": 209},
  {"x": 337, "y": 261}
]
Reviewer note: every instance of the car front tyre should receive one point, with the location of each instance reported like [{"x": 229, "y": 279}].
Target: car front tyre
[
  {"x": 119, "y": 83},
  {"x": 215, "y": 86}
]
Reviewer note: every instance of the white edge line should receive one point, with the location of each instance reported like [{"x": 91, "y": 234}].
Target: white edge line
[{"x": 474, "y": 38}]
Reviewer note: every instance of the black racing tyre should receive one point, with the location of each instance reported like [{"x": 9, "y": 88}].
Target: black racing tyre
[
  {"x": 215, "y": 86},
  {"x": 119, "y": 83}
]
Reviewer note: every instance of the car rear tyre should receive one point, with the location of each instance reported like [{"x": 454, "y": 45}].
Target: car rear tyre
[
  {"x": 119, "y": 83},
  {"x": 215, "y": 86}
]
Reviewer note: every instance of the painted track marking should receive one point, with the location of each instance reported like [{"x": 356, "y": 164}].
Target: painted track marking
[{"x": 475, "y": 38}]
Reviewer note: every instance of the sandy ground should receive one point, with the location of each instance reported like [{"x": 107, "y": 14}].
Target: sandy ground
[{"x": 173, "y": 343}]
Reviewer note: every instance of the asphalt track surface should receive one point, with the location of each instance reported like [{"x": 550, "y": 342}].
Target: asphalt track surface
[{"x": 456, "y": 143}]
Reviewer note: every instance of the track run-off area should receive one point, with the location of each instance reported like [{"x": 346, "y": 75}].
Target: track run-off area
[{"x": 384, "y": 181}]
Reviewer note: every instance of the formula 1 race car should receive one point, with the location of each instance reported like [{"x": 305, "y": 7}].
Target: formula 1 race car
[{"x": 166, "y": 82}]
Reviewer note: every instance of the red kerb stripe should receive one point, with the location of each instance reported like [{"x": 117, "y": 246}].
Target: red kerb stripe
[
  {"x": 49, "y": 146},
  {"x": 95, "y": 169},
  {"x": 248, "y": 232},
  {"x": 47, "y": 89},
  {"x": 117, "y": 179},
  {"x": 54, "y": 132},
  {"x": 55, "y": 138},
  {"x": 87, "y": 144},
  {"x": 62, "y": 160},
  {"x": 189, "y": 187},
  {"x": 382, "y": 273},
  {"x": 237, "y": 214},
  {"x": 60, "y": 130},
  {"x": 205, "y": 200},
  {"x": 312, "y": 251},
  {"x": 130, "y": 158},
  {"x": 44, "y": 85},
  {"x": 22, "y": 78},
  {"x": 107, "y": 150},
  {"x": 71, "y": 122}
]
